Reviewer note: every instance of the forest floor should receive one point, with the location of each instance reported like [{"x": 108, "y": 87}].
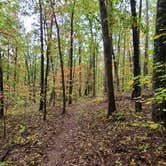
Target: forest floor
[{"x": 84, "y": 136}]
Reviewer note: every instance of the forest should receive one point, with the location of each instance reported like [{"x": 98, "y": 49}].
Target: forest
[{"x": 82, "y": 82}]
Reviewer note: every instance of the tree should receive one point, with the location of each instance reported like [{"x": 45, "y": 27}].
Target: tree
[
  {"x": 71, "y": 53},
  {"x": 42, "y": 58},
  {"x": 137, "y": 70},
  {"x": 61, "y": 58},
  {"x": 107, "y": 44},
  {"x": 159, "y": 66},
  {"x": 1, "y": 88},
  {"x": 146, "y": 40},
  {"x": 48, "y": 28}
]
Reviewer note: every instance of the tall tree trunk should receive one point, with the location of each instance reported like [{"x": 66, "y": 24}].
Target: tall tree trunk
[
  {"x": 34, "y": 78},
  {"x": 124, "y": 59},
  {"x": 137, "y": 71},
  {"x": 130, "y": 60},
  {"x": 71, "y": 54},
  {"x": 15, "y": 69},
  {"x": 1, "y": 88},
  {"x": 61, "y": 60},
  {"x": 53, "y": 93},
  {"x": 48, "y": 53},
  {"x": 28, "y": 70},
  {"x": 159, "y": 60},
  {"x": 117, "y": 60},
  {"x": 146, "y": 40},
  {"x": 93, "y": 56},
  {"x": 42, "y": 59},
  {"x": 80, "y": 71},
  {"x": 107, "y": 44},
  {"x": 115, "y": 70},
  {"x": 88, "y": 88},
  {"x": 140, "y": 9},
  {"x": 8, "y": 64}
]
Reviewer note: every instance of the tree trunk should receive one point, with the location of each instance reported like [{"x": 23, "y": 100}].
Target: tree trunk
[
  {"x": 34, "y": 78},
  {"x": 116, "y": 71},
  {"x": 137, "y": 71},
  {"x": 42, "y": 59},
  {"x": 71, "y": 55},
  {"x": 48, "y": 53},
  {"x": 61, "y": 60},
  {"x": 118, "y": 59},
  {"x": 15, "y": 70},
  {"x": 1, "y": 89},
  {"x": 146, "y": 41},
  {"x": 53, "y": 93},
  {"x": 107, "y": 44},
  {"x": 80, "y": 71},
  {"x": 159, "y": 60},
  {"x": 93, "y": 56},
  {"x": 124, "y": 59}
]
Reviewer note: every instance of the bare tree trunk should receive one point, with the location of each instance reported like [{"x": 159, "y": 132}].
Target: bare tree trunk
[
  {"x": 124, "y": 59},
  {"x": 34, "y": 78},
  {"x": 146, "y": 41},
  {"x": 71, "y": 54},
  {"x": 15, "y": 69},
  {"x": 48, "y": 53},
  {"x": 80, "y": 71},
  {"x": 1, "y": 88},
  {"x": 42, "y": 59},
  {"x": 107, "y": 44},
  {"x": 53, "y": 93},
  {"x": 61, "y": 60},
  {"x": 159, "y": 60},
  {"x": 137, "y": 71},
  {"x": 115, "y": 71}
]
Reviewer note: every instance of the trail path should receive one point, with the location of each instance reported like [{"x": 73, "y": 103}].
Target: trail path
[
  {"x": 57, "y": 146},
  {"x": 85, "y": 137}
]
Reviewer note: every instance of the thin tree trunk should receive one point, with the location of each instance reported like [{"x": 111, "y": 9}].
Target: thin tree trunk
[
  {"x": 71, "y": 54},
  {"x": 93, "y": 57},
  {"x": 137, "y": 71},
  {"x": 15, "y": 70},
  {"x": 28, "y": 71},
  {"x": 118, "y": 59},
  {"x": 34, "y": 79},
  {"x": 8, "y": 63},
  {"x": 53, "y": 93},
  {"x": 124, "y": 59},
  {"x": 48, "y": 53},
  {"x": 116, "y": 71},
  {"x": 146, "y": 41},
  {"x": 80, "y": 71},
  {"x": 1, "y": 88},
  {"x": 42, "y": 59},
  {"x": 61, "y": 60}
]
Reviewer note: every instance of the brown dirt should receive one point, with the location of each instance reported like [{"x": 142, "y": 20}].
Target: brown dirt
[{"x": 85, "y": 137}]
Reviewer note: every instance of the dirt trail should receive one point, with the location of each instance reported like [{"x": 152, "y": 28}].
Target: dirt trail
[{"x": 57, "y": 147}]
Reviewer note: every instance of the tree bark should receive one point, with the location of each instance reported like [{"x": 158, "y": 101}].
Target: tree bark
[
  {"x": 42, "y": 59},
  {"x": 71, "y": 54},
  {"x": 1, "y": 89},
  {"x": 124, "y": 59},
  {"x": 137, "y": 71},
  {"x": 80, "y": 71},
  {"x": 107, "y": 44},
  {"x": 146, "y": 41},
  {"x": 61, "y": 59},
  {"x": 159, "y": 60},
  {"x": 15, "y": 69}
]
